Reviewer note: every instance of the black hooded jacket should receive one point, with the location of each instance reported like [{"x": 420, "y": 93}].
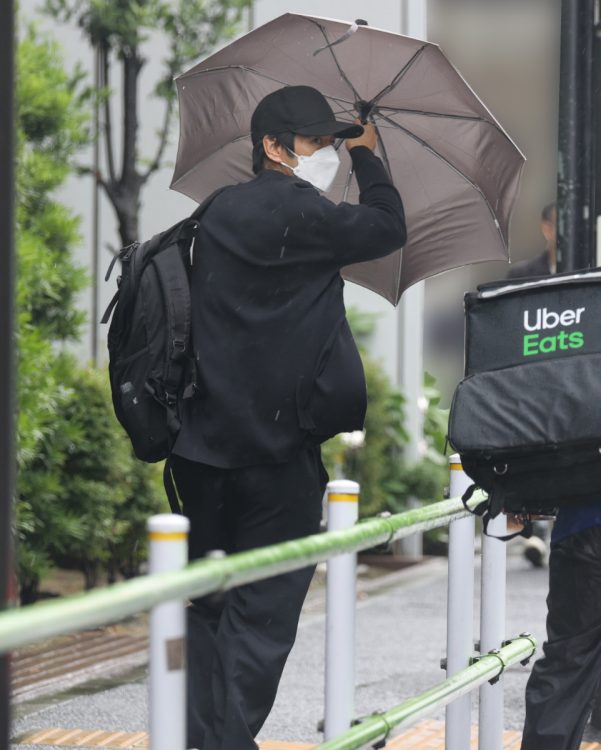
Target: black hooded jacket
[{"x": 277, "y": 364}]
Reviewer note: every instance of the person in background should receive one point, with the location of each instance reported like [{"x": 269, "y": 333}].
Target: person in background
[
  {"x": 545, "y": 263},
  {"x": 564, "y": 683}
]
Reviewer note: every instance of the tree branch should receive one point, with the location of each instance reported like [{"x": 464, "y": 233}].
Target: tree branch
[
  {"x": 131, "y": 69},
  {"x": 163, "y": 137},
  {"x": 108, "y": 124},
  {"x": 83, "y": 169}
]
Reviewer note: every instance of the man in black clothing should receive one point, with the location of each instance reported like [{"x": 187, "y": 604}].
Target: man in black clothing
[
  {"x": 565, "y": 679},
  {"x": 278, "y": 373}
]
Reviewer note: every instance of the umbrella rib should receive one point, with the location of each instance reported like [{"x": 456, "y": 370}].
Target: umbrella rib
[
  {"x": 384, "y": 154},
  {"x": 247, "y": 68},
  {"x": 393, "y": 84},
  {"x": 267, "y": 77},
  {"x": 452, "y": 166},
  {"x": 348, "y": 184},
  {"x": 474, "y": 118},
  {"x": 342, "y": 110},
  {"x": 443, "y": 115},
  {"x": 340, "y": 70}
]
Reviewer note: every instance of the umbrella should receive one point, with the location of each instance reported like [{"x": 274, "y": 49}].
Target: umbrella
[{"x": 458, "y": 172}]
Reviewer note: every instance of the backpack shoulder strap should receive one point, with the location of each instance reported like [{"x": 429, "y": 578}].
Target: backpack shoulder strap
[
  {"x": 176, "y": 287},
  {"x": 178, "y": 307}
]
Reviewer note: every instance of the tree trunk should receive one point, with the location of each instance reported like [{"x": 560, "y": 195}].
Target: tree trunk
[
  {"x": 124, "y": 193},
  {"x": 127, "y": 207}
]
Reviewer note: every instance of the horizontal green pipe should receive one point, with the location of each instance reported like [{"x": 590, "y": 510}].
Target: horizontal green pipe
[
  {"x": 25, "y": 625},
  {"x": 380, "y": 725}
]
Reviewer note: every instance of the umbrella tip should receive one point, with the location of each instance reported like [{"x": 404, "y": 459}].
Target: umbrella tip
[{"x": 361, "y": 22}]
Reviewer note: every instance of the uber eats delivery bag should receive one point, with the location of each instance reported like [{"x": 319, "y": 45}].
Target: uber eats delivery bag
[{"x": 526, "y": 419}]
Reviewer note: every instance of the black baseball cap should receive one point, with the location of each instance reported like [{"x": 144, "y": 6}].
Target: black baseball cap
[{"x": 298, "y": 109}]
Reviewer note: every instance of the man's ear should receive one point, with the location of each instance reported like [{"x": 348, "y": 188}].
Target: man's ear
[
  {"x": 273, "y": 148},
  {"x": 275, "y": 151},
  {"x": 548, "y": 230}
]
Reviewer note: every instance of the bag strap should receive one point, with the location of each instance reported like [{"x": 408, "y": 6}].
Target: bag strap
[
  {"x": 187, "y": 230},
  {"x": 480, "y": 509},
  {"x": 175, "y": 285},
  {"x": 171, "y": 489},
  {"x": 489, "y": 509},
  {"x": 107, "y": 313},
  {"x": 526, "y": 532}
]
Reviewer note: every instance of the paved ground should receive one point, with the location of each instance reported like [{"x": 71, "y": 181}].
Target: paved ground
[{"x": 400, "y": 641}]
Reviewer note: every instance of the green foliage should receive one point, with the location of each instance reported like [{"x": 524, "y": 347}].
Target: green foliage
[
  {"x": 80, "y": 493},
  {"x": 191, "y": 27},
  {"x": 145, "y": 497},
  {"x": 51, "y": 126},
  {"x": 105, "y": 491},
  {"x": 123, "y": 33},
  {"x": 95, "y": 461},
  {"x": 387, "y": 481}
]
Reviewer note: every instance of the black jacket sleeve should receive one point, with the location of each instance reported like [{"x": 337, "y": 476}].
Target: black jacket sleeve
[{"x": 375, "y": 227}]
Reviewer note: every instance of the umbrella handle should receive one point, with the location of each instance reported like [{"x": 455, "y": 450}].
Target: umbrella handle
[{"x": 364, "y": 110}]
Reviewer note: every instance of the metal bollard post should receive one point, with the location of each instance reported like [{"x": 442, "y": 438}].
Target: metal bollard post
[
  {"x": 492, "y": 632},
  {"x": 168, "y": 535},
  {"x": 460, "y": 610},
  {"x": 341, "y": 588}
]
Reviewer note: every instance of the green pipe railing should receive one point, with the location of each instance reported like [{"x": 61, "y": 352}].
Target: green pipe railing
[
  {"x": 486, "y": 668},
  {"x": 26, "y": 625}
]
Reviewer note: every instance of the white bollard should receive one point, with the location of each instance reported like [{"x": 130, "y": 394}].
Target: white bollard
[
  {"x": 168, "y": 536},
  {"x": 460, "y": 610},
  {"x": 341, "y": 588},
  {"x": 492, "y": 632}
]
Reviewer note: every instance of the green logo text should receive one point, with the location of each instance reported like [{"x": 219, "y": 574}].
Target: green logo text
[{"x": 535, "y": 344}]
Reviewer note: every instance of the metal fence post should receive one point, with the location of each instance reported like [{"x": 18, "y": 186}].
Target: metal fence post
[
  {"x": 168, "y": 536},
  {"x": 460, "y": 610},
  {"x": 492, "y": 632},
  {"x": 343, "y": 512}
]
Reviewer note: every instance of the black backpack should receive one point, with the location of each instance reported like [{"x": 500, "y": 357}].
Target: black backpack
[
  {"x": 151, "y": 363},
  {"x": 526, "y": 419}
]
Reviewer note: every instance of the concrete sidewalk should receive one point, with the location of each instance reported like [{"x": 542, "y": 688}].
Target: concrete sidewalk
[{"x": 400, "y": 641}]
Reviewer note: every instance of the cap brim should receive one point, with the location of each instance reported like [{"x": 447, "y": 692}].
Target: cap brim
[{"x": 336, "y": 128}]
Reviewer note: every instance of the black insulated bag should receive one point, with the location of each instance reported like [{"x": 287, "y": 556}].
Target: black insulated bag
[
  {"x": 151, "y": 365},
  {"x": 526, "y": 419}
]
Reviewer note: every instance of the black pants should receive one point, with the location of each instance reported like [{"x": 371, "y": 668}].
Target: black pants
[
  {"x": 238, "y": 642},
  {"x": 563, "y": 682}
]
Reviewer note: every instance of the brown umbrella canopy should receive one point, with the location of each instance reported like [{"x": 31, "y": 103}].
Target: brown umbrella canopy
[{"x": 456, "y": 169}]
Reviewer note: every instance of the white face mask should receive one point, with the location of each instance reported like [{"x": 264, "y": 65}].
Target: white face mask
[{"x": 319, "y": 169}]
